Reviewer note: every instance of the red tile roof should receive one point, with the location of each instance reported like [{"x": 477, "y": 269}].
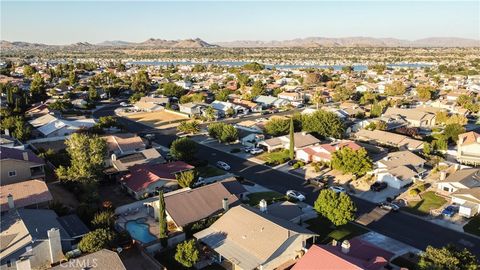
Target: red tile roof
[
  {"x": 25, "y": 193},
  {"x": 362, "y": 255},
  {"x": 142, "y": 175},
  {"x": 469, "y": 137}
]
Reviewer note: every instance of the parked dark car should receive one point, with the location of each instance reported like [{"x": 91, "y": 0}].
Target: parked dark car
[
  {"x": 450, "y": 211},
  {"x": 319, "y": 181},
  {"x": 378, "y": 186},
  {"x": 292, "y": 162}
]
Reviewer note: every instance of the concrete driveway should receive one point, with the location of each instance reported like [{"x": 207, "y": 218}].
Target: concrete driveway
[
  {"x": 387, "y": 243},
  {"x": 378, "y": 197}
]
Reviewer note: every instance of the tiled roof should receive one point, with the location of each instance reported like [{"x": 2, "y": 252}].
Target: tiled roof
[
  {"x": 142, "y": 175},
  {"x": 469, "y": 137},
  {"x": 25, "y": 193},
  {"x": 13, "y": 153}
]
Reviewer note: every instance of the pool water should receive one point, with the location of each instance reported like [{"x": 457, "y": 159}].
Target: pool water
[{"x": 139, "y": 231}]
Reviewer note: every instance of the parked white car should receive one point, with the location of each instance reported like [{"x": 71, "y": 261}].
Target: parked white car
[
  {"x": 337, "y": 189},
  {"x": 295, "y": 195},
  {"x": 256, "y": 151},
  {"x": 222, "y": 165}
]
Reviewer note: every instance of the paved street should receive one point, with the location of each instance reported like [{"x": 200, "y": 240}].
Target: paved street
[{"x": 400, "y": 226}]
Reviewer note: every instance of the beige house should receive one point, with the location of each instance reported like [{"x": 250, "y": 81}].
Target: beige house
[
  {"x": 19, "y": 165},
  {"x": 469, "y": 148},
  {"x": 417, "y": 117},
  {"x": 249, "y": 239}
]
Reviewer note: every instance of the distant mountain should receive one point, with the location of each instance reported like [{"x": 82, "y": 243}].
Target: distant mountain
[
  {"x": 114, "y": 43},
  {"x": 313, "y": 42},
  {"x": 310, "y": 42},
  {"x": 161, "y": 43}
]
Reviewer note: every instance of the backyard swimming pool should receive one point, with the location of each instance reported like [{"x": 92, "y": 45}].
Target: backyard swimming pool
[{"x": 139, "y": 230}]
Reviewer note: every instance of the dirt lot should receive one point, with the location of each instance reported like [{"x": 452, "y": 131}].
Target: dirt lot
[
  {"x": 115, "y": 194},
  {"x": 156, "y": 119}
]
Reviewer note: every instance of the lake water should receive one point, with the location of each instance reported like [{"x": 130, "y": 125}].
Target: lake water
[{"x": 295, "y": 66}]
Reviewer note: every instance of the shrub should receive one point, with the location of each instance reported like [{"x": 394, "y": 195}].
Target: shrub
[
  {"x": 422, "y": 187},
  {"x": 96, "y": 240},
  {"x": 299, "y": 164},
  {"x": 413, "y": 192}
]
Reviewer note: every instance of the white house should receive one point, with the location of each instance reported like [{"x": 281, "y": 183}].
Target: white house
[{"x": 399, "y": 169}]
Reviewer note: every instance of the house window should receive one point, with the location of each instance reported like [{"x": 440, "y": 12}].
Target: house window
[
  {"x": 12, "y": 173},
  {"x": 447, "y": 189}
]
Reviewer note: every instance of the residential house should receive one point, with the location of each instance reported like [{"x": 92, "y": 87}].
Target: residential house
[
  {"x": 38, "y": 110},
  {"x": 399, "y": 169},
  {"x": 145, "y": 156},
  {"x": 301, "y": 140},
  {"x": 223, "y": 107},
  {"x": 469, "y": 201},
  {"x": 80, "y": 103},
  {"x": 416, "y": 117},
  {"x": 187, "y": 206},
  {"x": 103, "y": 259},
  {"x": 251, "y": 239},
  {"x": 324, "y": 152},
  {"x": 354, "y": 254},
  {"x": 19, "y": 165},
  {"x": 381, "y": 137},
  {"x": 191, "y": 109},
  {"x": 269, "y": 101},
  {"x": 468, "y": 148},
  {"x": 8, "y": 141},
  {"x": 51, "y": 126},
  {"x": 30, "y": 193},
  {"x": 35, "y": 238},
  {"x": 292, "y": 97},
  {"x": 122, "y": 144},
  {"x": 252, "y": 139},
  {"x": 461, "y": 179},
  {"x": 249, "y": 126},
  {"x": 250, "y": 105},
  {"x": 145, "y": 179},
  {"x": 151, "y": 104}
]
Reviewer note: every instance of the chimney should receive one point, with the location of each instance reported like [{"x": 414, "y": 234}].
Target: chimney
[
  {"x": 225, "y": 204},
  {"x": 443, "y": 175},
  {"x": 345, "y": 246},
  {"x": 25, "y": 155},
  {"x": 263, "y": 206},
  {"x": 55, "y": 245},
  {"x": 11, "y": 203},
  {"x": 334, "y": 242}
]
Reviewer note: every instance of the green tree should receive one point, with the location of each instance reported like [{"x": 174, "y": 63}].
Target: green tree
[
  {"x": 191, "y": 127},
  {"x": 28, "y": 71},
  {"x": 87, "y": 154},
  {"x": 257, "y": 89},
  {"x": 104, "y": 220},
  {"x": 93, "y": 94},
  {"x": 348, "y": 160},
  {"x": 447, "y": 258},
  {"x": 222, "y": 95},
  {"x": 254, "y": 66},
  {"x": 215, "y": 130},
  {"x": 318, "y": 98},
  {"x": 343, "y": 93},
  {"x": 187, "y": 253},
  {"x": 210, "y": 113},
  {"x": 292, "y": 140},
  {"x": 425, "y": 91},
  {"x": 441, "y": 117},
  {"x": 186, "y": 178},
  {"x": 162, "y": 217},
  {"x": 96, "y": 240},
  {"x": 17, "y": 126},
  {"x": 183, "y": 149},
  {"x": 38, "y": 90},
  {"x": 336, "y": 207},
  {"x": 214, "y": 87},
  {"x": 326, "y": 124},
  {"x": 396, "y": 88},
  {"x": 277, "y": 126},
  {"x": 229, "y": 134},
  {"x": 452, "y": 131},
  {"x": 72, "y": 77},
  {"x": 172, "y": 90},
  {"x": 135, "y": 97},
  {"x": 141, "y": 82}
]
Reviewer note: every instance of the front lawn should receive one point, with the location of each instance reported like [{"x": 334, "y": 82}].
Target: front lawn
[
  {"x": 209, "y": 171},
  {"x": 473, "y": 226},
  {"x": 430, "y": 200},
  {"x": 327, "y": 231},
  {"x": 270, "y": 196},
  {"x": 275, "y": 158}
]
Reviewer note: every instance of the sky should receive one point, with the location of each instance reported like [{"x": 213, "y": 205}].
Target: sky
[{"x": 66, "y": 22}]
